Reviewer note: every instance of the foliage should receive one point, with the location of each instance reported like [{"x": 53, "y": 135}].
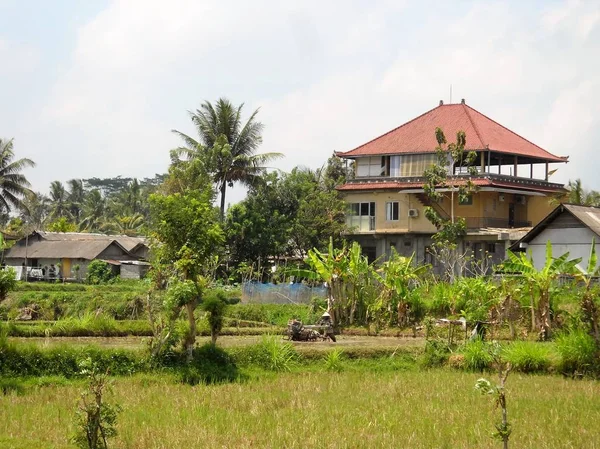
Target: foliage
[
  {"x": 441, "y": 176},
  {"x": 99, "y": 272},
  {"x": 227, "y": 145},
  {"x": 95, "y": 419},
  {"x": 334, "y": 361},
  {"x": 210, "y": 365},
  {"x": 590, "y": 312},
  {"x": 61, "y": 224},
  {"x": 271, "y": 353},
  {"x": 14, "y": 186},
  {"x": 436, "y": 353},
  {"x": 215, "y": 306},
  {"x": 8, "y": 282},
  {"x": 398, "y": 276},
  {"x": 477, "y": 355},
  {"x": 578, "y": 352},
  {"x": 528, "y": 357},
  {"x": 286, "y": 215},
  {"x": 539, "y": 283}
]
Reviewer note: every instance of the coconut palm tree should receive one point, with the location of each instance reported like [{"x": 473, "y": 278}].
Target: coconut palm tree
[
  {"x": 229, "y": 143},
  {"x": 93, "y": 211},
  {"x": 59, "y": 201},
  {"x": 126, "y": 225},
  {"x": 75, "y": 198},
  {"x": 13, "y": 184},
  {"x": 36, "y": 210},
  {"x": 578, "y": 195}
]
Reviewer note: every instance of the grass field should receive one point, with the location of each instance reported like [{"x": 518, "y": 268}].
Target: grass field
[{"x": 359, "y": 408}]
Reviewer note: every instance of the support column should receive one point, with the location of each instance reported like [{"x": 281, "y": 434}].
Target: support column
[
  {"x": 531, "y": 170},
  {"x": 489, "y": 170},
  {"x": 483, "y": 162},
  {"x": 515, "y": 166},
  {"x": 546, "y": 171}
]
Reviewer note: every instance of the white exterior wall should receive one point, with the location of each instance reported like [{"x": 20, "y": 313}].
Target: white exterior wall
[{"x": 576, "y": 241}]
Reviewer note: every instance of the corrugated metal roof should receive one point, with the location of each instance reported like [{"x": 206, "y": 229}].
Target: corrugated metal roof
[{"x": 418, "y": 135}]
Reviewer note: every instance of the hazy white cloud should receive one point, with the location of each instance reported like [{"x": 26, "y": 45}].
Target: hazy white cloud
[{"x": 328, "y": 76}]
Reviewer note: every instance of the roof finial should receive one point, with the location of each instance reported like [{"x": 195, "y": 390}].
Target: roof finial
[
  {"x": 441, "y": 102},
  {"x": 462, "y": 101}
]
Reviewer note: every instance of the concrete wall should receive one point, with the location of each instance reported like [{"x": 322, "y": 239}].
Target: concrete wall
[
  {"x": 576, "y": 241},
  {"x": 129, "y": 271}
]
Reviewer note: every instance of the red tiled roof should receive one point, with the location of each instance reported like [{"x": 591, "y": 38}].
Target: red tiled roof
[{"x": 418, "y": 135}]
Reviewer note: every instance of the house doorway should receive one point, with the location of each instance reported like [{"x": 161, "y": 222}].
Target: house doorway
[{"x": 511, "y": 215}]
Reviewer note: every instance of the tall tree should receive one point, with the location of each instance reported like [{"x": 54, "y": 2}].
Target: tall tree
[
  {"x": 578, "y": 195},
  {"x": 36, "y": 210},
  {"x": 93, "y": 211},
  {"x": 13, "y": 184},
  {"x": 233, "y": 159},
  {"x": 59, "y": 201},
  {"x": 75, "y": 198}
]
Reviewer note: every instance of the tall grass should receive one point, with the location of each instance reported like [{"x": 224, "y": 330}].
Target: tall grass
[
  {"x": 432, "y": 409},
  {"x": 529, "y": 356},
  {"x": 578, "y": 352}
]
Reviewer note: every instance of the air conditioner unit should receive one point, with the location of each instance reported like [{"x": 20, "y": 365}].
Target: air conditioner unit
[
  {"x": 501, "y": 197},
  {"x": 413, "y": 213}
]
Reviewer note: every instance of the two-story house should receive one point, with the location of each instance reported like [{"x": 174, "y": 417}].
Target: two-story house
[{"x": 387, "y": 201}]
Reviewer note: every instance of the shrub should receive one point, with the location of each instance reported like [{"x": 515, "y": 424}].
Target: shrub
[
  {"x": 210, "y": 365},
  {"x": 436, "y": 353},
  {"x": 477, "y": 355},
  {"x": 577, "y": 351},
  {"x": 215, "y": 306},
  {"x": 334, "y": 360},
  {"x": 528, "y": 356},
  {"x": 8, "y": 282},
  {"x": 99, "y": 272}
]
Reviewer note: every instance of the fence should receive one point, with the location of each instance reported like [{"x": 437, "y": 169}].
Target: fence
[{"x": 258, "y": 293}]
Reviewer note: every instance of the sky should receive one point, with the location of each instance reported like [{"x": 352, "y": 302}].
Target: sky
[{"x": 94, "y": 88}]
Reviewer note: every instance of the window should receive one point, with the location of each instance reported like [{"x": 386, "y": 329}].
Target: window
[
  {"x": 372, "y": 166},
  {"x": 466, "y": 201},
  {"x": 394, "y": 166},
  {"x": 491, "y": 248},
  {"x": 391, "y": 211},
  {"x": 362, "y": 209}
]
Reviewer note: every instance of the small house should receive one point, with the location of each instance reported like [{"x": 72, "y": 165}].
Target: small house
[
  {"x": 66, "y": 255},
  {"x": 569, "y": 228}
]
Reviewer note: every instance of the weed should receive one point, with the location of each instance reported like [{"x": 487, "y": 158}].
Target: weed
[
  {"x": 334, "y": 360},
  {"x": 528, "y": 356}
]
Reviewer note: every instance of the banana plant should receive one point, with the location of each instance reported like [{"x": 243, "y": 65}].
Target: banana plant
[
  {"x": 589, "y": 308},
  {"x": 540, "y": 282},
  {"x": 398, "y": 276}
]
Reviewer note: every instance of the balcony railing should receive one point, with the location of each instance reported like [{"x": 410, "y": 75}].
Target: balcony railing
[
  {"x": 490, "y": 222},
  {"x": 360, "y": 223}
]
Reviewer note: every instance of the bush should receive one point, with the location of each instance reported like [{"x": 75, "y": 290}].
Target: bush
[
  {"x": 99, "y": 272},
  {"x": 477, "y": 355},
  {"x": 577, "y": 351},
  {"x": 436, "y": 354},
  {"x": 8, "y": 282},
  {"x": 210, "y": 365},
  {"x": 528, "y": 356},
  {"x": 214, "y": 305}
]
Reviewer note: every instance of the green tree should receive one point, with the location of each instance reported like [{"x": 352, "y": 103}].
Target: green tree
[
  {"x": 441, "y": 176},
  {"x": 236, "y": 161},
  {"x": 99, "y": 272},
  {"x": 189, "y": 235},
  {"x": 61, "y": 225},
  {"x": 59, "y": 201},
  {"x": 75, "y": 198},
  {"x": 36, "y": 210},
  {"x": 14, "y": 186},
  {"x": 93, "y": 211},
  {"x": 578, "y": 195},
  {"x": 215, "y": 306}
]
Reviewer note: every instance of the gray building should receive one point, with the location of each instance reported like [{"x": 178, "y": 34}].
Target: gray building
[
  {"x": 66, "y": 255},
  {"x": 570, "y": 228}
]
